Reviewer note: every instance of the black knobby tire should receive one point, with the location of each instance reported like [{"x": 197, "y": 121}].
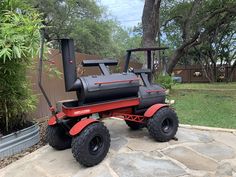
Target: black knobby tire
[
  {"x": 57, "y": 138},
  {"x": 163, "y": 125},
  {"x": 91, "y": 146},
  {"x": 134, "y": 125}
]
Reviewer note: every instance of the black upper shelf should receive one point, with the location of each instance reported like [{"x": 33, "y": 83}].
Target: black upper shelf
[
  {"x": 147, "y": 49},
  {"x": 98, "y": 62}
]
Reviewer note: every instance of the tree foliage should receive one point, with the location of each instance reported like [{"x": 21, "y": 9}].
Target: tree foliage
[
  {"x": 218, "y": 49},
  {"x": 123, "y": 39},
  {"x": 82, "y": 20},
  {"x": 187, "y": 24},
  {"x": 19, "y": 38}
]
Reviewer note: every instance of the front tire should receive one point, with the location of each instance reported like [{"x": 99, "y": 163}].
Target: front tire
[
  {"x": 57, "y": 138},
  {"x": 163, "y": 125},
  {"x": 91, "y": 146}
]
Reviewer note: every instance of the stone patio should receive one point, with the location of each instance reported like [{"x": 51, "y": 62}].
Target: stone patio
[{"x": 135, "y": 154}]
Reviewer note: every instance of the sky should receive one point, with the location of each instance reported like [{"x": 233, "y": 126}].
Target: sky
[{"x": 127, "y": 12}]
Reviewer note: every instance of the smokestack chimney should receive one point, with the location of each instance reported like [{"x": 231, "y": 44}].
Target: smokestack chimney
[{"x": 69, "y": 65}]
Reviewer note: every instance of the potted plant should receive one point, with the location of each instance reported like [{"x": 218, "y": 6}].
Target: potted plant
[{"x": 19, "y": 40}]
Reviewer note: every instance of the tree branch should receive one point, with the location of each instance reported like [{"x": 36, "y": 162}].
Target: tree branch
[
  {"x": 172, "y": 18},
  {"x": 219, "y": 11}
]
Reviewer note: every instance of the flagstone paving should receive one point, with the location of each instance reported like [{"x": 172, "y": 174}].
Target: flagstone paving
[{"x": 135, "y": 154}]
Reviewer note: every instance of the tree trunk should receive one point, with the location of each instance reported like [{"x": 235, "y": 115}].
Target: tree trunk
[
  {"x": 188, "y": 39},
  {"x": 178, "y": 53},
  {"x": 150, "y": 22},
  {"x": 214, "y": 71}
]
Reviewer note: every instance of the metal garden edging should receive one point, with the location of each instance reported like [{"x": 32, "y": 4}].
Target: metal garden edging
[{"x": 18, "y": 141}]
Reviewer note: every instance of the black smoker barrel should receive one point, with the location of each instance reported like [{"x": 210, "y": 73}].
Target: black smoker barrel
[{"x": 96, "y": 88}]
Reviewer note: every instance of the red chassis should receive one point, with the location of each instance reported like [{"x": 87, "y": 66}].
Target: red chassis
[{"x": 122, "y": 109}]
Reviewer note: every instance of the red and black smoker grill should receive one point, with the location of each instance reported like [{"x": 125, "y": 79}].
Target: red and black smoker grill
[{"x": 130, "y": 96}]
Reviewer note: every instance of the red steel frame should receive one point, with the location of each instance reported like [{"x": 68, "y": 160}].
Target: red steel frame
[
  {"x": 101, "y": 107},
  {"x": 121, "y": 106},
  {"x": 130, "y": 117},
  {"x": 122, "y": 109}
]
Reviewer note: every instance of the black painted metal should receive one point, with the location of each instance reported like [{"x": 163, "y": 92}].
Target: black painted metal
[
  {"x": 148, "y": 99},
  {"x": 69, "y": 65},
  {"x": 104, "y": 69},
  {"x": 149, "y": 64},
  {"x": 147, "y": 48},
  {"x": 101, "y": 63},
  {"x": 139, "y": 71},
  {"x": 110, "y": 62},
  {"x": 88, "y": 91},
  {"x": 149, "y": 58},
  {"x": 107, "y": 86},
  {"x": 144, "y": 77},
  {"x": 128, "y": 55},
  {"x": 94, "y": 92},
  {"x": 40, "y": 68}
]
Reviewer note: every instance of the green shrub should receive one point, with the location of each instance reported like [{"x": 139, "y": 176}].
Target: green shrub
[
  {"x": 19, "y": 40},
  {"x": 166, "y": 81}
]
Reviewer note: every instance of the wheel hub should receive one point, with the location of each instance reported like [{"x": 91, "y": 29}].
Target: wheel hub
[
  {"x": 95, "y": 144},
  {"x": 167, "y": 125}
]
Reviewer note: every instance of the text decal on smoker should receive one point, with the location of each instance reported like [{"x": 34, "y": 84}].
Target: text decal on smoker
[{"x": 86, "y": 111}]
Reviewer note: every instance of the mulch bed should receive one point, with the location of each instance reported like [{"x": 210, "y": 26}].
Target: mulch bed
[{"x": 8, "y": 160}]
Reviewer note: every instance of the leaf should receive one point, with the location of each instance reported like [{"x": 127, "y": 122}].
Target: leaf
[
  {"x": 16, "y": 52},
  {"x": 5, "y": 53}
]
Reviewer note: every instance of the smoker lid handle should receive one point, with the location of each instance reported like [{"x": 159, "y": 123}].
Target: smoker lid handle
[{"x": 116, "y": 81}]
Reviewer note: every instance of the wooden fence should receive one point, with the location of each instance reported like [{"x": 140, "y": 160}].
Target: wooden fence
[
  {"x": 55, "y": 87},
  {"x": 195, "y": 74}
]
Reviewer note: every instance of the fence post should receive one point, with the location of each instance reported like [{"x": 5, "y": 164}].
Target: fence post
[{"x": 190, "y": 79}]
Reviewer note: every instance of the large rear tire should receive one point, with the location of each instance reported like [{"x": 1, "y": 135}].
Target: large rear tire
[
  {"x": 91, "y": 146},
  {"x": 163, "y": 125},
  {"x": 57, "y": 138}
]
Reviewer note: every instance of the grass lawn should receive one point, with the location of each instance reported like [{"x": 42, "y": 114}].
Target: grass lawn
[
  {"x": 206, "y": 104},
  {"x": 206, "y": 86}
]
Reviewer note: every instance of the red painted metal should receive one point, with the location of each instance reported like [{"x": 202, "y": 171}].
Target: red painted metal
[
  {"x": 52, "y": 120},
  {"x": 52, "y": 109},
  {"x": 153, "y": 109},
  {"x": 79, "y": 126},
  {"x": 107, "y": 114},
  {"x": 130, "y": 117},
  {"x": 123, "y": 110},
  {"x": 101, "y": 107},
  {"x": 151, "y": 91},
  {"x": 117, "y": 81}
]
